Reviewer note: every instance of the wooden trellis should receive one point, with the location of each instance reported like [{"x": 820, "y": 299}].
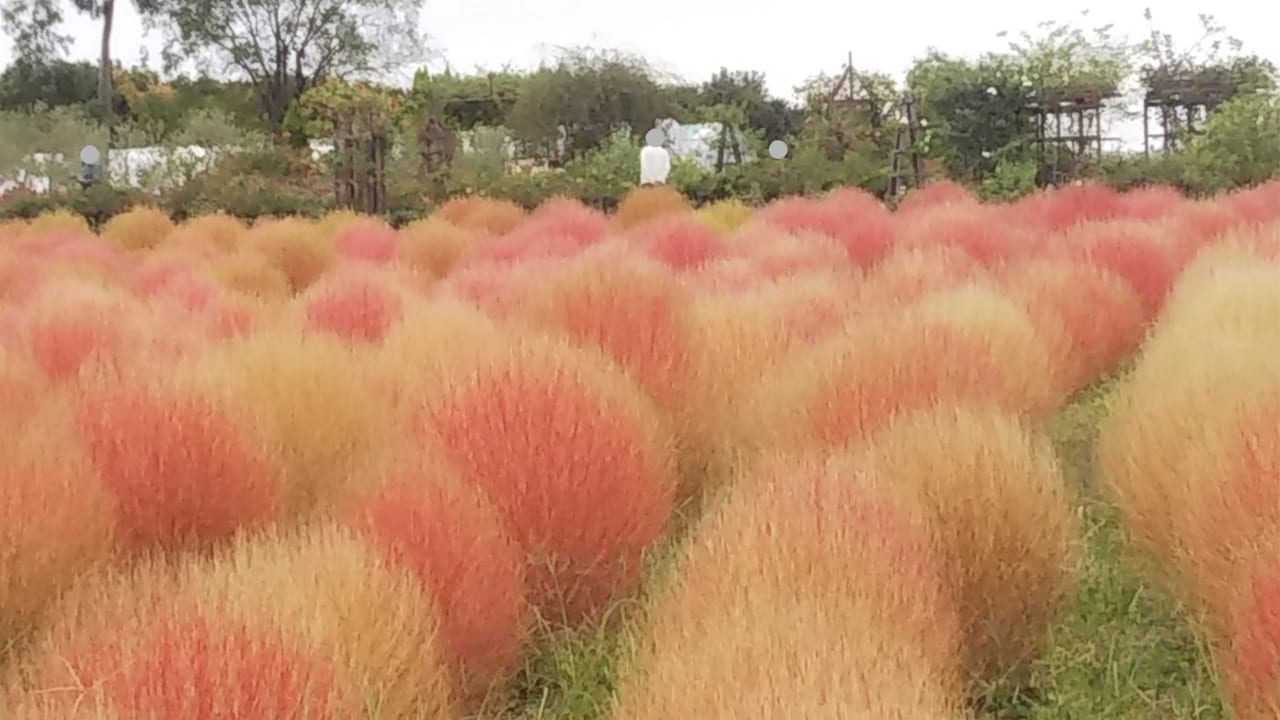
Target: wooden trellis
[
  {"x": 907, "y": 169},
  {"x": 436, "y": 146},
  {"x": 360, "y": 160},
  {"x": 1069, "y": 122},
  {"x": 1181, "y": 102},
  {"x": 851, "y": 93}
]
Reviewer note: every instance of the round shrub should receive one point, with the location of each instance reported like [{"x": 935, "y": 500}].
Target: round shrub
[
  {"x": 811, "y": 579},
  {"x": 571, "y": 453},
  {"x": 184, "y": 466},
  {"x": 139, "y": 228},
  {"x": 358, "y": 304},
  {"x": 56, "y": 519},
  {"x": 1000, "y": 515},
  {"x": 422, "y": 517}
]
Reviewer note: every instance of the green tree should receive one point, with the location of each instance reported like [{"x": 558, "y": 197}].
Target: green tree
[
  {"x": 463, "y": 102},
  {"x": 285, "y": 47},
  {"x": 33, "y": 27},
  {"x": 769, "y": 117},
  {"x": 1240, "y": 145},
  {"x": 1215, "y": 62},
  {"x": 27, "y": 84},
  {"x": 33, "y": 24},
  {"x": 976, "y": 112},
  {"x": 568, "y": 109}
]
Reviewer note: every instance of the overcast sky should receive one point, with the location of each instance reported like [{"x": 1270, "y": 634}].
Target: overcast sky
[{"x": 788, "y": 43}]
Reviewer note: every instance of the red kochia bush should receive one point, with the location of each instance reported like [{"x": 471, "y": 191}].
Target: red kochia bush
[
  {"x": 1257, "y": 205},
  {"x": 1228, "y": 517},
  {"x": 181, "y": 661},
  {"x": 222, "y": 230},
  {"x": 848, "y": 386},
  {"x": 1102, "y": 315},
  {"x": 432, "y": 246},
  {"x": 771, "y": 254},
  {"x": 489, "y": 215},
  {"x": 531, "y": 241},
  {"x": 21, "y": 276},
  {"x": 1152, "y": 202},
  {"x": 863, "y": 226},
  {"x": 357, "y": 304},
  {"x": 1129, "y": 249},
  {"x": 679, "y": 241},
  {"x": 570, "y": 217},
  {"x": 23, "y": 388},
  {"x": 571, "y": 453},
  {"x": 55, "y": 518},
  {"x": 184, "y": 466},
  {"x": 72, "y": 324},
  {"x": 633, "y": 309},
  {"x": 636, "y": 311},
  {"x": 981, "y": 231},
  {"x": 425, "y": 518},
  {"x": 643, "y": 204},
  {"x": 1251, "y": 661},
  {"x": 368, "y": 240},
  {"x": 77, "y": 250},
  {"x": 1061, "y": 208},
  {"x": 936, "y": 194}
]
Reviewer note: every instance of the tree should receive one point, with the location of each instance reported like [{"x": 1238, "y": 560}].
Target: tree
[
  {"x": 33, "y": 24},
  {"x": 976, "y": 112},
  {"x": 583, "y": 100},
  {"x": 27, "y": 84},
  {"x": 1240, "y": 145},
  {"x": 770, "y": 117},
  {"x": 1214, "y": 67},
  {"x": 285, "y": 47}
]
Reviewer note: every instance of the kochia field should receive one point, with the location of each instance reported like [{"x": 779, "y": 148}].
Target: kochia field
[{"x": 817, "y": 459}]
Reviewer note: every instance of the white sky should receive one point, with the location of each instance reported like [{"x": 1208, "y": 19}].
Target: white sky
[{"x": 798, "y": 39}]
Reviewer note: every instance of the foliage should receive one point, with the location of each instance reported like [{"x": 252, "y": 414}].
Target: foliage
[
  {"x": 33, "y": 26},
  {"x": 769, "y": 117},
  {"x": 284, "y": 49},
  {"x": 465, "y": 101},
  {"x": 565, "y": 110},
  {"x": 1127, "y": 172},
  {"x": 1064, "y": 57},
  {"x": 97, "y": 204},
  {"x": 253, "y": 183},
  {"x": 27, "y": 84},
  {"x": 53, "y": 133},
  {"x": 1215, "y": 53},
  {"x": 1240, "y": 145},
  {"x": 976, "y": 113},
  {"x": 1010, "y": 181},
  {"x": 316, "y": 110}
]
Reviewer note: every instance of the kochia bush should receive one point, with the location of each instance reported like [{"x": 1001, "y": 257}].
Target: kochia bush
[{"x": 570, "y": 451}]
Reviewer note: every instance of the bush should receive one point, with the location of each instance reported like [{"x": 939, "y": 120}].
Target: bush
[
  {"x": 313, "y": 400},
  {"x": 1240, "y": 145},
  {"x": 324, "y": 589},
  {"x": 176, "y": 659},
  {"x": 814, "y": 586},
  {"x": 356, "y": 303},
  {"x": 1013, "y": 578},
  {"x": 184, "y": 466},
  {"x": 572, "y": 454},
  {"x": 422, "y": 517},
  {"x": 55, "y": 517}
]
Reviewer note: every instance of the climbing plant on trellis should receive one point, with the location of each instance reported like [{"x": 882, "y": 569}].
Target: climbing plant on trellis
[{"x": 362, "y": 119}]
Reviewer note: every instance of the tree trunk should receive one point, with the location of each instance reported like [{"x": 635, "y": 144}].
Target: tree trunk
[{"x": 105, "y": 90}]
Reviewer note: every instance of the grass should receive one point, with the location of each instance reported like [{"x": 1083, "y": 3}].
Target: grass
[{"x": 1123, "y": 651}]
